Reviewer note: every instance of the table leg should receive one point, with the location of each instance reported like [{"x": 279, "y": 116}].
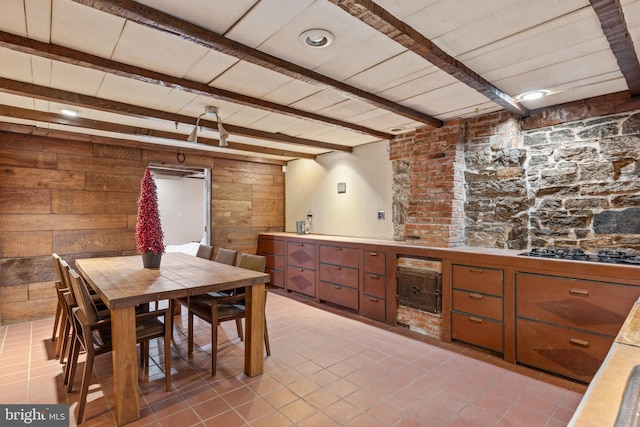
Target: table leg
[
  {"x": 125, "y": 364},
  {"x": 254, "y": 335}
]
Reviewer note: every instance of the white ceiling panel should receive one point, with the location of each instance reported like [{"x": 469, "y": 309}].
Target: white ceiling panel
[
  {"x": 82, "y": 28},
  {"x": 514, "y": 45},
  {"x": 146, "y": 48}
]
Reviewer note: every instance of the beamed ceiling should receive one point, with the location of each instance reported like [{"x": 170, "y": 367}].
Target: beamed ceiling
[{"x": 141, "y": 72}]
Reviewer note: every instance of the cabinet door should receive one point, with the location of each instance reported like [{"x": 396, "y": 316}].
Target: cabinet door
[
  {"x": 340, "y": 275},
  {"x": 565, "y": 351},
  {"x": 478, "y": 279},
  {"x": 301, "y": 280},
  {"x": 340, "y": 295},
  {"x": 339, "y": 255},
  {"x": 478, "y": 304},
  {"x": 374, "y": 307},
  {"x": 301, "y": 254},
  {"x": 477, "y": 331},
  {"x": 375, "y": 262},
  {"x": 582, "y": 304},
  {"x": 374, "y": 285}
]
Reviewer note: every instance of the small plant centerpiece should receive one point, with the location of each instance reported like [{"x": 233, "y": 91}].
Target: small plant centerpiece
[{"x": 149, "y": 236}]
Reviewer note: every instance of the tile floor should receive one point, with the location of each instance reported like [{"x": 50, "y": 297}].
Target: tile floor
[{"x": 325, "y": 370}]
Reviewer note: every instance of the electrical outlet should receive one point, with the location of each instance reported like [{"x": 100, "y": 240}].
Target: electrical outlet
[{"x": 380, "y": 214}]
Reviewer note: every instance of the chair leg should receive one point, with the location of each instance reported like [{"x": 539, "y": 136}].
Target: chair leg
[
  {"x": 66, "y": 341},
  {"x": 168, "y": 318},
  {"x": 62, "y": 336},
  {"x": 190, "y": 334},
  {"x": 214, "y": 339},
  {"x": 84, "y": 390},
  {"x": 72, "y": 363},
  {"x": 266, "y": 338},
  {"x": 239, "y": 328},
  {"x": 56, "y": 322}
]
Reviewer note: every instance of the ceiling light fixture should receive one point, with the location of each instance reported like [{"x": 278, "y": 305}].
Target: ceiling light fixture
[
  {"x": 316, "y": 38},
  {"x": 69, "y": 112},
  {"x": 532, "y": 95},
  {"x": 210, "y": 110}
]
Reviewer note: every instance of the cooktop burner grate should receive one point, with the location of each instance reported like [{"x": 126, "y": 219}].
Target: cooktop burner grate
[{"x": 611, "y": 256}]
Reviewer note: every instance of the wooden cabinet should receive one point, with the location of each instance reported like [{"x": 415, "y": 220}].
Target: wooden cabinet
[
  {"x": 477, "y": 306},
  {"x": 301, "y": 267},
  {"x": 374, "y": 284},
  {"x": 339, "y": 275},
  {"x": 566, "y": 325},
  {"x": 273, "y": 249}
]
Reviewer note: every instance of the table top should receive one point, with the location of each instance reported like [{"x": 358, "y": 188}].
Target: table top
[{"x": 123, "y": 281}]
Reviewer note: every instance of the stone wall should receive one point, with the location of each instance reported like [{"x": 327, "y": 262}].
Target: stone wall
[{"x": 571, "y": 184}]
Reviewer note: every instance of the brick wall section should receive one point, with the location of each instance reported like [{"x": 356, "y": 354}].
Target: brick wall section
[
  {"x": 428, "y": 203},
  {"x": 79, "y": 199}
]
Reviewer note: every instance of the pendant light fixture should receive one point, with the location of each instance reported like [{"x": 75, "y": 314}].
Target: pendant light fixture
[{"x": 210, "y": 110}]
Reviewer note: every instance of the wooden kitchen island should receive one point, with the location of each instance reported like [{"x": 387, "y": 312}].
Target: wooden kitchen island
[{"x": 559, "y": 316}]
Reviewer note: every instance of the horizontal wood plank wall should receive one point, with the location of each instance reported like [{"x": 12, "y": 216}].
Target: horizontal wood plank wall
[{"x": 79, "y": 199}]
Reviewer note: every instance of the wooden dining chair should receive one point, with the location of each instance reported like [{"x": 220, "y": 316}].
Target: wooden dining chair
[
  {"x": 218, "y": 309},
  {"x": 94, "y": 336},
  {"x": 205, "y": 251}
]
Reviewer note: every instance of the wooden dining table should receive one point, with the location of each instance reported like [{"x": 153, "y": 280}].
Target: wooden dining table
[{"x": 122, "y": 283}]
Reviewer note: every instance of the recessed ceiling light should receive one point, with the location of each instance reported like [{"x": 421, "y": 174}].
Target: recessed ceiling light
[
  {"x": 397, "y": 130},
  {"x": 316, "y": 38},
  {"x": 69, "y": 112},
  {"x": 534, "y": 94}
]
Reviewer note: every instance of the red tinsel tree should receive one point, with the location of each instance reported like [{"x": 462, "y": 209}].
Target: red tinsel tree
[{"x": 149, "y": 235}]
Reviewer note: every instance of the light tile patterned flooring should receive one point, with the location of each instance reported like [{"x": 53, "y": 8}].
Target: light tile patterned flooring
[{"x": 325, "y": 370}]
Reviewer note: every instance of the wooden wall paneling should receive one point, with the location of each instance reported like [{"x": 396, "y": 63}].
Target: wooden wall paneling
[
  {"x": 88, "y": 202},
  {"x": 117, "y": 152},
  {"x": 22, "y": 158},
  {"x": 99, "y": 240},
  {"x": 24, "y": 200},
  {"x": 18, "y": 244},
  {"x": 12, "y": 177}
]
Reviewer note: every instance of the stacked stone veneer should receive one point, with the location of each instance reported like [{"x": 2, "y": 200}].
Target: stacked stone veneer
[{"x": 484, "y": 182}]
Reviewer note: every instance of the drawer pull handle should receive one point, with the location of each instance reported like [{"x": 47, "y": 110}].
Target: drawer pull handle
[
  {"x": 337, "y": 268},
  {"x": 475, "y": 270},
  {"x": 338, "y": 249},
  {"x": 373, "y": 253},
  {"x": 301, "y": 244},
  {"x": 374, "y": 276},
  {"x": 337, "y": 287},
  {"x": 373, "y": 299},
  {"x": 301, "y": 270},
  {"x": 475, "y": 319},
  {"x": 581, "y": 292},
  {"x": 475, "y": 296},
  {"x": 579, "y": 343}
]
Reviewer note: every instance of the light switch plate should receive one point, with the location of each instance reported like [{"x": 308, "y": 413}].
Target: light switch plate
[
  {"x": 380, "y": 214},
  {"x": 342, "y": 187}
]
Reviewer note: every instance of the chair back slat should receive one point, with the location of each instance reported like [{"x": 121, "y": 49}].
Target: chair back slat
[
  {"x": 83, "y": 298},
  {"x": 227, "y": 256}
]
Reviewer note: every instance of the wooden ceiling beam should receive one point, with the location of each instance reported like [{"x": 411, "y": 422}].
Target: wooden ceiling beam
[
  {"x": 381, "y": 20},
  {"x": 59, "y": 119},
  {"x": 85, "y": 101},
  {"x": 82, "y": 59},
  {"x": 615, "y": 29},
  {"x": 144, "y": 15}
]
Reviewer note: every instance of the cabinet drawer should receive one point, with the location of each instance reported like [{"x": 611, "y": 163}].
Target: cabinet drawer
[
  {"x": 474, "y": 330},
  {"x": 575, "y": 354},
  {"x": 275, "y": 262},
  {"x": 272, "y": 246},
  {"x": 592, "y": 306},
  {"x": 339, "y": 275},
  {"x": 339, "y": 255},
  {"x": 478, "y": 304},
  {"x": 340, "y": 295},
  {"x": 375, "y": 262},
  {"x": 277, "y": 277},
  {"x": 301, "y": 280},
  {"x": 373, "y": 307},
  {"x": 374, "y": 284},
  {"x": 478, "y": 279},
  {"x": 301, "y": 254}
]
